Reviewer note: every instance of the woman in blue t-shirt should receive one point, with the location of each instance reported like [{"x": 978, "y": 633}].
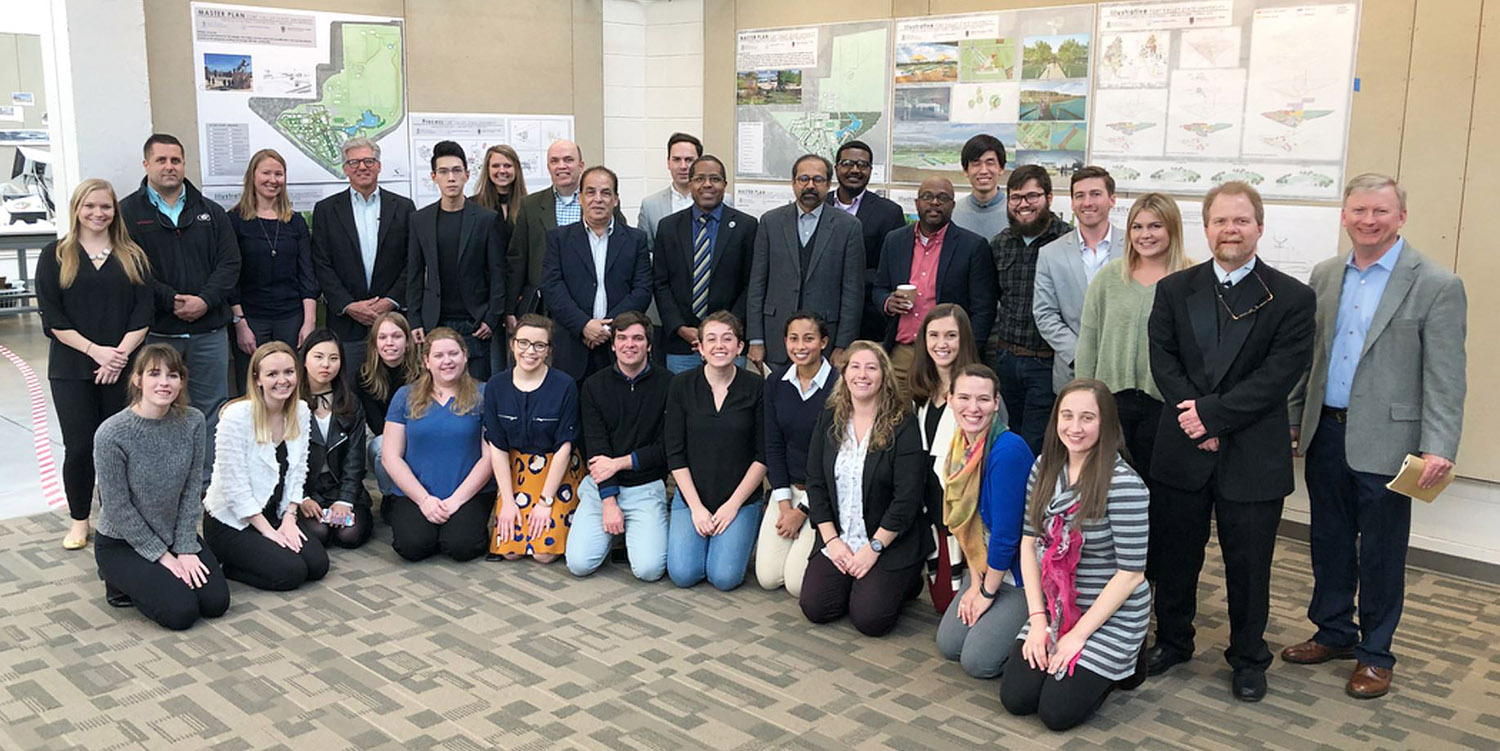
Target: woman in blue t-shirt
[{"x": 436, "y": 455}]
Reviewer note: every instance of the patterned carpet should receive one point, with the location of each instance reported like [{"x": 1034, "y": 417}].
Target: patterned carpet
[{"x": 518, "y": 656}]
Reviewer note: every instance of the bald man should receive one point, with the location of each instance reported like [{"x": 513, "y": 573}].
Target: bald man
[
  {"x": 945, "y": 263},
  {"x": 547, "y": 209}
]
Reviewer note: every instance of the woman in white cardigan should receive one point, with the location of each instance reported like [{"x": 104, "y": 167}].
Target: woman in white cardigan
[{"x": 260, "y": 463}]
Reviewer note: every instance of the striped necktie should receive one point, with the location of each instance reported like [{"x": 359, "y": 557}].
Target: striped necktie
[{"x": 701, "y": 257}]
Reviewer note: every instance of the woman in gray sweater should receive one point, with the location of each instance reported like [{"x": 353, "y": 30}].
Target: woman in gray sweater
[{"x": 148, "y": 549}]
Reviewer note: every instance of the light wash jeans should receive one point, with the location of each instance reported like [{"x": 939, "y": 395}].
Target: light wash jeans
[
  {"x": 645, "y": 511},
  {"x": 723, "y": 558},
  {"x": 382, "y": 478}
]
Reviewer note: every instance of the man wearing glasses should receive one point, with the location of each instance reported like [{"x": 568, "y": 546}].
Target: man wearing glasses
[
  {"x": 1023, "y": 359},
  {"x": 1230, "y": 338},
  {"x": 933, "y": 261},
  {"x": 359, "y": 250},
  {"x": 878, "y": 216},
  {"x": 807, "y": 257},
  {"x": 702, "y": 259}
]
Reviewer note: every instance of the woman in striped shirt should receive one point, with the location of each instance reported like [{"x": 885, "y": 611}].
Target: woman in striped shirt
[{"x": 1087, "y": 598}]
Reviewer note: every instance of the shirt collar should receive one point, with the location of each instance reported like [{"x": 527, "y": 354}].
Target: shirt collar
[
  {"x": 610, "y": 230},
  {"x": 360, "y": 199},
  {"x": 999, "y": 196},
  {"x": 927, "y": 240},
  {"x": 570, "y": 198},
  {"x": 717, "y": 213},
  {"x": 850, "y": 206},
  {"x": 1104, "y": 244},
  {"x": 815, "y": 213},
  {"x": 156, "y": 197},
  {"x": 1387, "y": 260},
  {"x": 1235, "y": 276},
  {"x": 824, "y": 370},
  {"x": 638, "y": 376}
]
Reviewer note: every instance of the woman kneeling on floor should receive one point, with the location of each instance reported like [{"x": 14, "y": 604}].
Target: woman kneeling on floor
[
  {"x": 260, "y": 465},
  {"x": 149, "y": 460},
  {"x": 336, "y": 506}
]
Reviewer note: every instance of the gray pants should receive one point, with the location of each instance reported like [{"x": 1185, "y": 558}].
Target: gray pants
[
  {"x": 983, "y": 648},
  {"x": 207, "y": 358}
]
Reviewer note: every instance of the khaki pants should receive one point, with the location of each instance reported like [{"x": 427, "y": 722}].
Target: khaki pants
[
  {"x": 778, "y": 560},
  {"x": 902, "y": 356}
]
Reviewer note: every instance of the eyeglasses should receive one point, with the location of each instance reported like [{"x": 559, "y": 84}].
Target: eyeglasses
[
  {"x": 811, "y": 179},
  {"x": 1033, "y": 197},
  {"x": 368, "y": 161},
  {"x": 710, "y": 179},
  {"x": 860, "y": 163},
  {"x": 1219, "y": 291},
  {"x": 940, "y": 198},
  {"x": 525, "y": 344}
]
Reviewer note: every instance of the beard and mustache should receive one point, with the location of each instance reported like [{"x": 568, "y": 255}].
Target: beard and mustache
[{"x": 1034, "y": 227}]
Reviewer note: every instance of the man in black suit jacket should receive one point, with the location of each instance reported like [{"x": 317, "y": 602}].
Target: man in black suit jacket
[
  {"x": 594, "y": 270},
  {"x": 878, "y": 217},
  {"x": 963, "y": 274},
  {"x": 1230, "y": 339},
  {"x": 360, "y": 265},
  {"x": 729, "y": 244},
  {"x": 456, "y": 257}
]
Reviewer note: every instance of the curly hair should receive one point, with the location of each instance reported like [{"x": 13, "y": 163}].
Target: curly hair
[{"x": 890, "y": 408}]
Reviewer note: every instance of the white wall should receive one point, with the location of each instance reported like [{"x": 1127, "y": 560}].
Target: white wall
[
  {"x": 1463, "y": 522},
  {"x": 102, "y": 103}
]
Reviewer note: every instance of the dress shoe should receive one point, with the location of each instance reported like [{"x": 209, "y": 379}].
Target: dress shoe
[
  {"x": 76, "y": 543},
  {"x": 1249, "y": 684},
  {"x": 1160, "y": 659},
  {"x": 1368, "y": 682},
  {"x": 1313, "y": 653}
]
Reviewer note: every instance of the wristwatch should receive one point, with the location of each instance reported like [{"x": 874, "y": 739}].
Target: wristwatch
[
  {"x": 235, "y": 319},
  {"x": 545, "y": 501},
  {"x": 987, "y": 595},
  {"x": 876, "y": 545}
]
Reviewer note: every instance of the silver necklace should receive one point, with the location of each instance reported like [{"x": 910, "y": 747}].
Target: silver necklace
[
  {"x": 101, "y": 255},
  {"x": 271, "y": 239}
]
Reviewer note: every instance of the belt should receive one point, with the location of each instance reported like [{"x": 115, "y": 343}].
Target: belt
[
  {"x": 1020, "y": 351},
  {"x": 1340, "y": 416}
]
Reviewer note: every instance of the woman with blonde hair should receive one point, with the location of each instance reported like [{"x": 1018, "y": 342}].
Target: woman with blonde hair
[
  {"x": 501, "y": 184},
  {"x": 94, "y": 290},
  {"x": 391, "y": 361},
  {"x": 437, "y": 457},
  {"x": 260, "y": 467},
  {"x": 277, "y": 296},
  {"x": 865, "y": 476}
]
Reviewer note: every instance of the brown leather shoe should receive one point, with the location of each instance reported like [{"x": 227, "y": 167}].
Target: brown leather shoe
[
  {"x": 1313, "y": 653},
  {"x": 1368, "y": 682}
]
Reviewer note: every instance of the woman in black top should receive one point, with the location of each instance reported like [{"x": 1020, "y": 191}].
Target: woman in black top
[
  {"x": 93, "y": 289},
  {"x": 390, "y": 363},
  {"x": 501, "y": 184},
  {"x": 336, "y": 509},
  {"x": 716, "y": 450},
  {"x": 277, "y": 298}
]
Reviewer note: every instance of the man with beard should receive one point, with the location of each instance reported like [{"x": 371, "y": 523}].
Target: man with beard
[
  {"x": 944, "y": 262},
  {"x": 807, "y": 257},
  {"x": 878, "y": 217},
  {"x": 1023, "y": 359}
]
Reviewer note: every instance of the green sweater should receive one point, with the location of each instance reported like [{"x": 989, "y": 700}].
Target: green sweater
[{"x": 1112, "y": 342}]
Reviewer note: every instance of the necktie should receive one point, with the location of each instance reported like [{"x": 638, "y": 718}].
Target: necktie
[{"x": 700, "y": 268}]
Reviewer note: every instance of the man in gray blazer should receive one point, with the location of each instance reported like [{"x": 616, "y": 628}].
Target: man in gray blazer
[
  {"x": 1387, "y": 380},
  {"x": 682, "y": 151},
  {"x": 1066, "y": 266},
  {"x": 807, "y": 257}
]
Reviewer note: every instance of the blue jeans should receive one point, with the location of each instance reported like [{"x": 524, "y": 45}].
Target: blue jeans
[
  {"x": 723, "y": 558},
  {"x": 645, "y": 511},
  {"x": 684, "y": 363},
  {"x": 1026, "y": 389},
  {"x": 207, "y": 358},
  {"x": 372, "y": 459}
]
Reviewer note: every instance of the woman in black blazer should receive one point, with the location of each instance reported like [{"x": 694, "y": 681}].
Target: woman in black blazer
[
  {"x": 336, "y": 506},
  {"x": 865, "y": 474}
]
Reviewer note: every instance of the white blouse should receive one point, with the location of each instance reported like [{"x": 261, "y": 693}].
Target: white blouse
[{"x": 849, "y": 476}]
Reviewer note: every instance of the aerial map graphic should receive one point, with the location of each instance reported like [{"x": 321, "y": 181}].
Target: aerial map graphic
[{"x": 360, "y": 91}]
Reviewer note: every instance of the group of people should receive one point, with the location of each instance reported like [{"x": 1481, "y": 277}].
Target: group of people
[{"x": 1031, "y": 420}]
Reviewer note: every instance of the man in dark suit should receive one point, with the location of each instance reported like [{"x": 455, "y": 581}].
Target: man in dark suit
[
  {"x": 594, "y": 270},
  {"x": 359, "y": 250},
  {"x": 557, "y": 205},
  {"x": 1230, "y": 338},
  {"x": 456, "y": 255},
  {"x": 877, "y": 217},
  {"x": 702, "y": 260},
  {"x": 807, "y": 257},
  {"x": 944, "y": 262},
  {"x": 1387, "y": 380}
]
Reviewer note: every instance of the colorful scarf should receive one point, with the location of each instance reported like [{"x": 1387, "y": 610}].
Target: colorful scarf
[
  {"x": 1061, "y": 549},
  {"x": 961, "y": 487}
]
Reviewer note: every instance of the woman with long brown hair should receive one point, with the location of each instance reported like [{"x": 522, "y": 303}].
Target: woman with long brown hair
[
  {"x": 865, "y": 477},
  {"x": 391, "y": 361},
  {"x": 501, "y": 184},
  {"x": 1083, "y": 561},
  {"x": 336, "y": 506},
  {"x": 93, "y": 288},
  {"x": 277, "y": 296}
]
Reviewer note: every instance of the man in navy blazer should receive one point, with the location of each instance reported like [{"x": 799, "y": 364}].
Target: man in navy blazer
[
  {"x": 878, "y": 216},
  {"x": 945, "y": 262},
  {"x": 594, "y": 270}
]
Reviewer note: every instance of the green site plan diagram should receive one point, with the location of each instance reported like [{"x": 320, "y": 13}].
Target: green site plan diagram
[{"x": 361, "y": 92}]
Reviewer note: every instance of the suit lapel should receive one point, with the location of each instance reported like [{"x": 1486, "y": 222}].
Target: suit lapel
[
  {"x": 1231, "y": 339},
  {"x": 427, "y": 235},
  {"x": 792, "y": 240},
  {"x": 820, "y": 240},
  {"x": 727, "y": 224},
  {"x": 345, "y": 212},
  {"x": 1402, "y": 278},
  {"x": 549, "y": 209},
  {"x": 945, "y": 259},
  {"x": 1076, "y": 277},
  {"x": 580, "y": 234},
  {"x": 387, "y": 207},
  {"x": 902, "y": 262},
  {"x": 1202, "y": 316},
  {"x": 613, "y": 249},
  {"x": 466, "y": 222},
  {"x": 872, "y": 459}
]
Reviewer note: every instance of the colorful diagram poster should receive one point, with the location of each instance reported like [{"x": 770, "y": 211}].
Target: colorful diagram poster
[
  {"x": 809, "y": 90},
  {"x": 529, "y": 135},
  {"x": 1021, "y": 76},
  {"x": 302, "y": 83}
]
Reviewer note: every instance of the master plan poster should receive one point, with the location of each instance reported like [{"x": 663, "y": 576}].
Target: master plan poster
[
  {"x": 529, "y": 135},
  {"x": 809, "y": 90},
  {"x": 1020, "y": 75},
  {"x": 302, "y": 83}
]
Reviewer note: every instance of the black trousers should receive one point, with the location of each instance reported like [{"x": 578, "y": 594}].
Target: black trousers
[
  {"x": 349, "y": 537},
  {"x": 1061, "y": 705},
  {"x": 1359, "y": 536},
  {"x": 1247, "y": 539},
  {"x": 464, "y": 537},
  {"x": 1139, "y": 414},
  {"x": 266, "y": 330},
  {"x": 873, "y": 603},
  {"x": 251, "y": 558},
  {"x": 158, "y": 594},
  {"x": 81, "y": 406}
]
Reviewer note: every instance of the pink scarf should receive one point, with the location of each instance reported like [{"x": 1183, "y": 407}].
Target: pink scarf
[{"x": 1059, "y": 575}]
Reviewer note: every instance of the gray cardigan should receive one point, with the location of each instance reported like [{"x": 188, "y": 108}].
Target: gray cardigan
[{"x": 150, "y": 473}]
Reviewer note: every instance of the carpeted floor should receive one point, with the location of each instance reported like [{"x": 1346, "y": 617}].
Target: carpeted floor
[{"x": 518, "y": 656}]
